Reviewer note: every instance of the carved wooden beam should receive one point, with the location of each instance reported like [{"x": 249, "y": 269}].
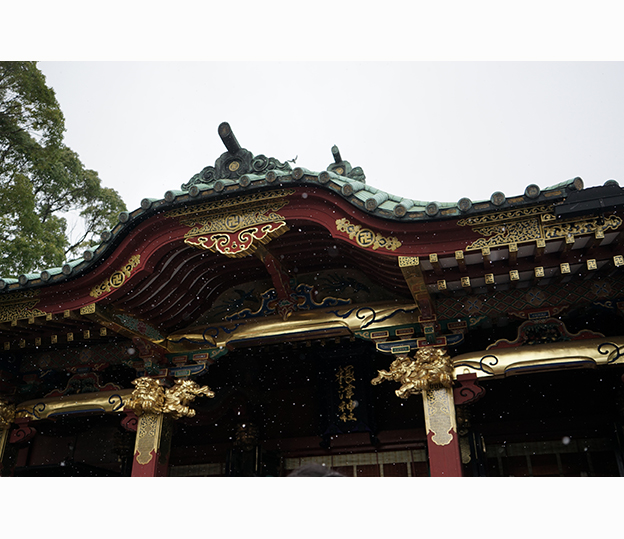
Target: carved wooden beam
[
  {"x": 124, "y": 324},
  {"x": 410, "y": 267},
  {"x": 461, "y": 262}
]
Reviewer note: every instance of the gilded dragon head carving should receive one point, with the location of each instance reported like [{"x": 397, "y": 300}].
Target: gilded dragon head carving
[
  {"x": 150, "y": 397},
  {"x": 430, "y": 368}
]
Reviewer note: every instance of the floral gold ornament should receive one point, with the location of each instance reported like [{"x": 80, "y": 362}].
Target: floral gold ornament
[
  {"x": 367, "y": 238},
  {"x": 117, "y": 279},
  {"x": 20, "y": 306},
  {"x": 237, "y": 232},
  {"x": 506, "y": 233},
  {"x": 509, "y": 215},
  {"x": 584, "y": 226},
  {"x": 532, "y": 224},
  {"x": 430, "y": 369},
  {"x": 228, "y": 204}
]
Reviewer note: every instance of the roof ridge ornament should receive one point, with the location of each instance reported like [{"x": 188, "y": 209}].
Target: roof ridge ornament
[
  {"x": 234, "y": 163},
  {"x": 343, "y": 168}
]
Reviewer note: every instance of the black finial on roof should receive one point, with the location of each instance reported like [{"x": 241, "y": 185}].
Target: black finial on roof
[
  {"x": 343, "y": 168},
  {"x": 235, "y": 163},
  {"x": 336, "y": 153},
  {"x": 228, "y": 138}
]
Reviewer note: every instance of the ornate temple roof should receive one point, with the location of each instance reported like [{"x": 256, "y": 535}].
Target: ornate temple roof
[{"x": 238, "y": 172}]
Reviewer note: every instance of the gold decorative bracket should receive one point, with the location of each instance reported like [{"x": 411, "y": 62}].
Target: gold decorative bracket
[{"x": 412, "y": 273}]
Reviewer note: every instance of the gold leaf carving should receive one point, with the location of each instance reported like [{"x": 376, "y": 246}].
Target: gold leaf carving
[
  {"x": 585, "y": 226},
  {"x": 499, "y": 217},
  {"x": 232, "y": 221},
  {"x": 237, "y": 233},
  {"x": 430, "y": 368},
  {"x": 117, "y": 279},
  {"x": 507, "y": 228},
  {"x": 20, "y": 306},
  {"x": 219, "y": 205},
  {"x": 148, "y": 437},
  {"x": 506, "y": 233},
  {"x": 439, "y": 415},
  {"x": 367, "y": 238},
  {"x": 150, "y": 397}
]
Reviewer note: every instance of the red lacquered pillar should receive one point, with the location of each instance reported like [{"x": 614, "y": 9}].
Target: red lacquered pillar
[
  {"x": 442, "y": 438},
  {"x": 152, "y": 446}
]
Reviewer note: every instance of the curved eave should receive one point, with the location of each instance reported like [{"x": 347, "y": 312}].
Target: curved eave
[{"x": 395, "y": 211}]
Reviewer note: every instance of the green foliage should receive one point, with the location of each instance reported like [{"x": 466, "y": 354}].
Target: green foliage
[{"x": 41, "y": 178}]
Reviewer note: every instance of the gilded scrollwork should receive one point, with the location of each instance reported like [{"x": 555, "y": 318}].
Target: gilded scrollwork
[
  {"x": 240, "y": 243},
  {"x": 367, "y": 238},
  {"x": 19, "y": 306},
  {"x": 509, "y": 215},
  {"x": 431, "y": 368},
  {"x": 233, "y": 220},
  {"x": 531, "y": 224},
  {"x": 150, "y": 397},
  {"x": 117, "y": 279},
  {"x": 236, "y": 231},
  {"x": 585, "y": 226},
  {"x": 231, "y": 203},
  {"x": 612, "y": 351},
  {"x": 506, "y": 233}
]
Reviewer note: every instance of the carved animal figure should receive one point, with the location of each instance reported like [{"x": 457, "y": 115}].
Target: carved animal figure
[
  {"x": 148, "y": 397},
  {"x": 183, "y": 393},
  {"x": 431, "y": 367}
]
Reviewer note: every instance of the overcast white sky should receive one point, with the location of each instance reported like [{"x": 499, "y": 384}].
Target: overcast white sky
[{"x": 423, "y": 130}]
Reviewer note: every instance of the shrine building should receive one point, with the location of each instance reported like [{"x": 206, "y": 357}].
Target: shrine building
[{"x": 265, "y": 316}]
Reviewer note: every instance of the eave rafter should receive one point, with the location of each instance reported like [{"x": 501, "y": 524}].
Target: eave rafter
[{"x": 526, "y": 253}]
